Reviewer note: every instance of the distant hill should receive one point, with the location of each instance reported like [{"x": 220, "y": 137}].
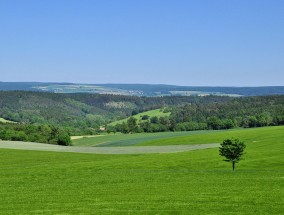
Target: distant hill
[
  {"x": 150, "y": 89},
  {"x": 141, "y": 89},
  {"x": 83, "y": 112}
]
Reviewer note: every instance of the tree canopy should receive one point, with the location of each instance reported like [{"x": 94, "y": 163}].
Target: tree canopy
[{"x": 232, "y": 150}]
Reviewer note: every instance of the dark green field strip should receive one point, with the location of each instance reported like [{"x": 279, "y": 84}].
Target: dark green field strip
[{"x": 131, "y": 139}]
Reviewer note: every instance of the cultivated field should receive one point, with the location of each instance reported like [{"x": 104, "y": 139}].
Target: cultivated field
[
  {"x": 251, "y": 135},
  {"x": 105, "y": 150},
  {"x": 131, "y": 139},
  {"x": 192, "y": 182}
]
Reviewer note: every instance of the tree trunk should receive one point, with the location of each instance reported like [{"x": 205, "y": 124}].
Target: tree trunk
[{"x": 233, "y": 165}]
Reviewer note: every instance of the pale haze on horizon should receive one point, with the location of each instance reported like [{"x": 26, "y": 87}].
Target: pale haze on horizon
[{"x": 193, "y": 43}]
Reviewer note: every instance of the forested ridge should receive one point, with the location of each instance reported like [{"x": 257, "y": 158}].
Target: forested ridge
[
  {"x": 82, "y": 113},
  {"x": 78, "y": 114},
  {"x": 243, "y": 112}
]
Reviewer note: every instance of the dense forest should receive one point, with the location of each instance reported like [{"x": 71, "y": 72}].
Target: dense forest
[
  {"x": 83, "y": 113},
  {"x": 244, "y": 112},
  {"x": 53, "y": 117},
  {"x": 34, "y": 133}
]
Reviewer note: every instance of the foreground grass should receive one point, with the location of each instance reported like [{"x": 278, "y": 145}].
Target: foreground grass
[{"x": 196, "y": 182}]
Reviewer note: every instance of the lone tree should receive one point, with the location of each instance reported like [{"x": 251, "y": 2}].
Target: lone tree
[{"x": 232, "y": 150}]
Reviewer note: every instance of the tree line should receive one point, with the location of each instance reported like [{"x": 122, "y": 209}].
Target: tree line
[
  {"x": 244, "y": 112},
  {"x": 34, "y": 133},
  {"x": 83, "y": 113}
]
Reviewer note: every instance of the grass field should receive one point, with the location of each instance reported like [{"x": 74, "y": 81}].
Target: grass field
[
  {"x": 195, "y": 182},
  {"x": 130, "y": 139},
  {"x": 180, "y": 138},
  {"x": 250, "y": 135},
  {"x": 105, "y": 150},
  {"x": 151, "y": 113}
]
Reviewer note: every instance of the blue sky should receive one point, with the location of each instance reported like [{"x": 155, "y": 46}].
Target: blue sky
[{"x": 184, "y": 42}]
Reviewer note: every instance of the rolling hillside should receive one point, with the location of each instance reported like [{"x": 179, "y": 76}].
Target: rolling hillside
[
  {"x": 151, "y": 113},
  {"x": 251, "y": 135},
  {"x": 85, "y": 112},
  {"x": 169, "y": 183}
]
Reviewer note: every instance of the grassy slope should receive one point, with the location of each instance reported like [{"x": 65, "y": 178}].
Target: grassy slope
[
  {"x": 151, "y": 113},
  {"x": 247, "y": 135},
  {"x": 130, "y": 139},
  {"x": 180, "y": 138},
  {"x": 196, "y": 182},
  {"x": 5, "y": 120}
]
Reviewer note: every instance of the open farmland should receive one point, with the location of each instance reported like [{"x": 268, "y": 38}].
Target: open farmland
[
  {"x": 130, "y": 139},
  {"x": 193, "y": 182},
  {"x": 251, "y": 135},
  {"x": 105, "y": 150},
  {"x": 141, "y": 107}
]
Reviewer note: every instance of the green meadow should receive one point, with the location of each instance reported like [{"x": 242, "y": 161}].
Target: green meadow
[
  {"x": 119, "y": 139},
  {"x": 151, "y": 113},
  {"x": 194, "y": 182},
  {"x": 250, "y": 135}
]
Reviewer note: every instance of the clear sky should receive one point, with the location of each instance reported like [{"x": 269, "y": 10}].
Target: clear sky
[{"x": 184, "y": 42}]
